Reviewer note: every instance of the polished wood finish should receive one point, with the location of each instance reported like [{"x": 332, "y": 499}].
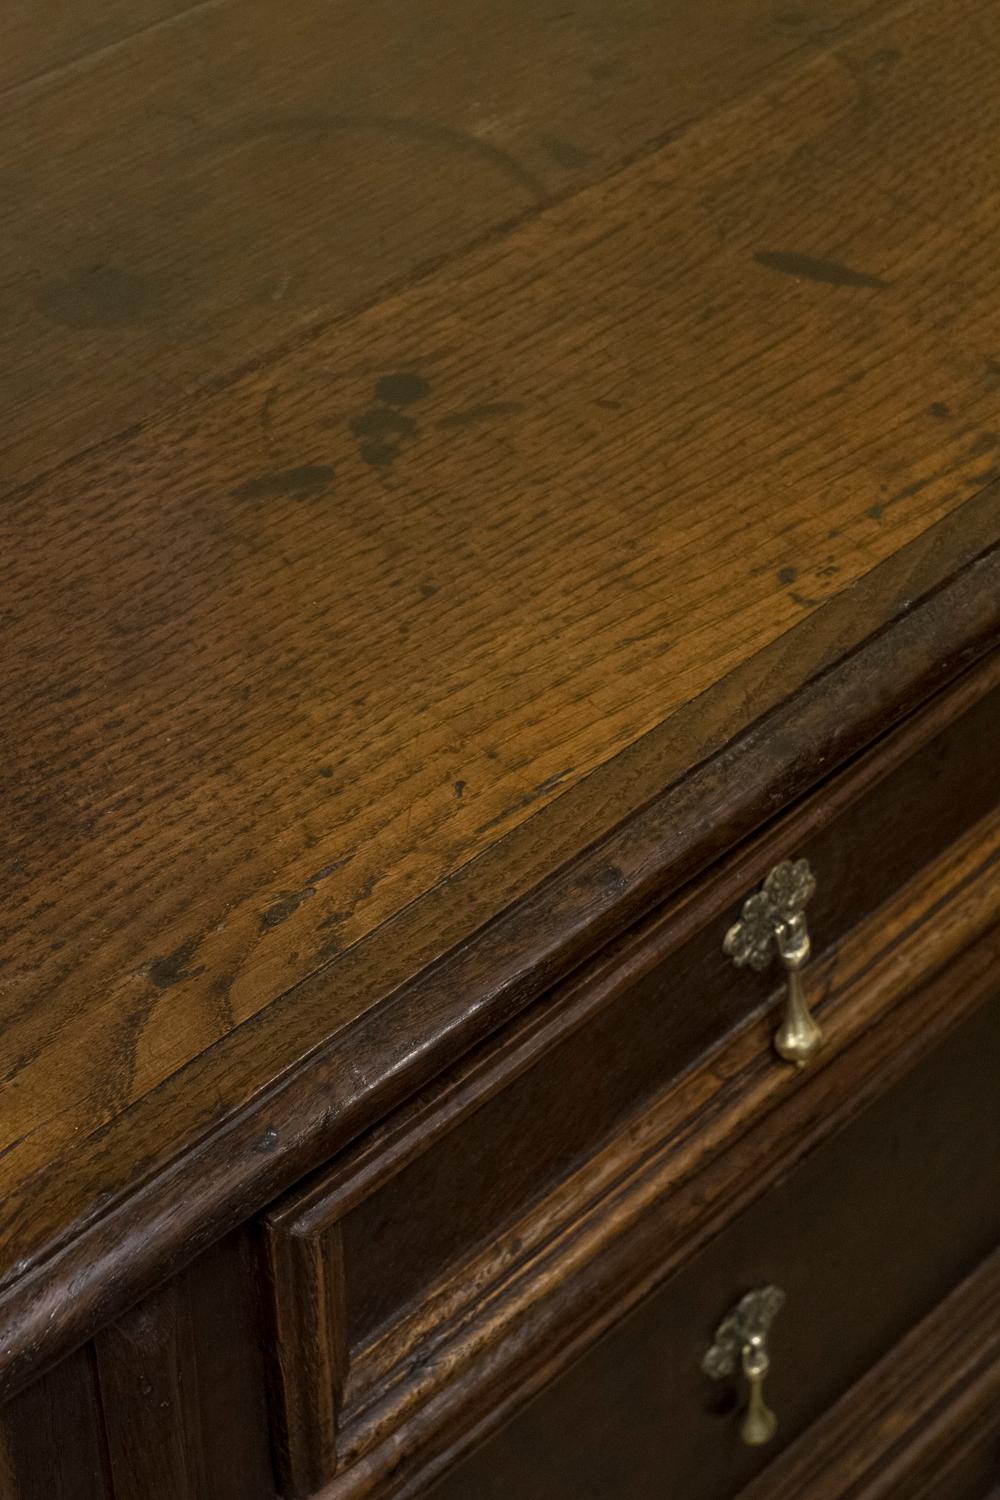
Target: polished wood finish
[
  {"x": 223, "y": 750},
  {"x": 476, "y": 490},
  {"x": 308, "y": 1112},
  {"x": 193, "y": 185}
]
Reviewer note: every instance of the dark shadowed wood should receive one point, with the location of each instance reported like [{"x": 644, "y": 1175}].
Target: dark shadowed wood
[
  {"x": 188, "y": 183},
  {"x": 52, "y": 1437},
  {"x": 225, "y": 1310},
  {"x": 309, "y": 1355},
  {"x": 146, "y": 1365},
  {"x": 864, "y": 1238},
  {"x": 350, "y": 705},
  {"x": 925, "y": 1422},
  {"x": 182, "y": 1385}
]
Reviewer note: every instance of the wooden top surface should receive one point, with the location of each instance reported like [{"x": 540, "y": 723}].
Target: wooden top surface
[{"x": 408, "y": 420}]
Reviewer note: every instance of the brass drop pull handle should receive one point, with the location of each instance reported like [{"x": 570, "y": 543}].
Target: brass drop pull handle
[
  {"x": 740, "y": 1343},
  {"x": 773, "y": 921}
]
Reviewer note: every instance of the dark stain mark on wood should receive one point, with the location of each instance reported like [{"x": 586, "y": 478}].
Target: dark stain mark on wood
[
  {"x": 459, "y": 789},
  {"x": 383, "y": 428},
  {"x": 379, "y": 454},
  {"x": 382, "y": 431},
  {"x": 812, "y": 268},
  {"x": 279, "y": 911},
  {"x": 909, "y": 490},
  {"x": 565, "y": 153},
  {"x": 939, "y": 409},
  {"x": 307, "y": 479},
  {"x": 428, "y": 590},
  {"x": 327, "y": 870},
  {"x": 802, "y": 601},
  {"x": 382, "y": 422},
  {"x": 608, "y": 878},
  {"x": 326, "y": 771},
  {"x": 401, "y": 388},
  {"x": 101, "y": 297},
  {"x": 174, "y": 968},
  {"x": 486, "y": 412},
  {"x": 984, "y": 443},
  {"x": 288, "y": 905},
  {"x": 334, "y": 919},
  {"x": 788, "y": 574},
  {"x": 423, "y": 131},
  {"x": 876, "y": 511}
]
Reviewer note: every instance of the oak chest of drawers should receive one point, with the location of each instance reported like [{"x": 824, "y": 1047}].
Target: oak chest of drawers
[{"x": 500, "y": 602}]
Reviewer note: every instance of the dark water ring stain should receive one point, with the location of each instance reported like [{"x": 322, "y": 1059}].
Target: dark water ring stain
[
  {"x": 401, "y": 388},
  {"x": 813, "y": 268},
  {"x": 403, "y": 129}
]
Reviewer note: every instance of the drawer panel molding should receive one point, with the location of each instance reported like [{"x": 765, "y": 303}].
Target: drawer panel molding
[{"x": 366, "y": 1420}]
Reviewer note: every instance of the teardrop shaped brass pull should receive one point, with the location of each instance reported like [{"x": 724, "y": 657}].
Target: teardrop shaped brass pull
[
  {"x": 773, "y": 921},
  {"x": 759, "y": 1422},
  {"x": 741, "y": 1343}
]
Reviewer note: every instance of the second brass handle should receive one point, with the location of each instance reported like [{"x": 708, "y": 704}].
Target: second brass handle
[
  {"x": 759, "y": 1423},
  {"x": 773, "y": 921},
  {"x": 740, "y": 1343}
]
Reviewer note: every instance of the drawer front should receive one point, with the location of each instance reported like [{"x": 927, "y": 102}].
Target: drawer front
[
  {"x": 380, "y": 1259},
  {"x": 363, "y": 1410},
  {"x": 864, "y": 1237}
]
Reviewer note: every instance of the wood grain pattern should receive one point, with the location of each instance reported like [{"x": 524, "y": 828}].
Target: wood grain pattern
[
  {"x": 289, "y": 665},
  {"x": 309, "y": 1354},
  {"x": 52, "y": 1441},
  {"x": 502, "y": 1320},
  {"x": 146, "y": 1364},
  {"x": 189, "y": 183},
  {"x": 182, "y": 1387},
  {"x": 124, "y": 1250}
]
